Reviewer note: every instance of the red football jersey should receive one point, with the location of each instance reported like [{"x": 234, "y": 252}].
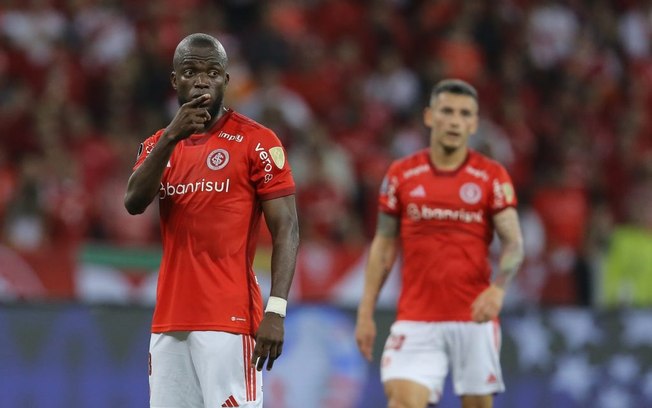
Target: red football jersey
[
  {"x": 210, "y": 211},
  {"x": 445, "y": 231}
]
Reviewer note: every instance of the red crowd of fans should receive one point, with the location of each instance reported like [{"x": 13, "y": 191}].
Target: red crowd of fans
[{"x": 565, "y": 92}]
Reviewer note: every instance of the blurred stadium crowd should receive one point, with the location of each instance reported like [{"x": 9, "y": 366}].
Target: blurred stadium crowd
[{"x": 565, "y": 89}]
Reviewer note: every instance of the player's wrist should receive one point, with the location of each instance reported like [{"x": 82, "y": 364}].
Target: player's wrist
[
  {"x": 170, "y": 138},
  {"x": 499, "y": 285},
  {"x": 276, "y": 305},
  {"x": 365, "y": 313}
]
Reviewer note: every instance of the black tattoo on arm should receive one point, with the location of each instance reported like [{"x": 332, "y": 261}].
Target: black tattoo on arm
[
  {"x": 511, "y": 255},
  {"x": 387, "y": 226}
]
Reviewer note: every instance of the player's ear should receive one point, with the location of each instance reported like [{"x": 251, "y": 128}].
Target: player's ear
[
  {"x": 227, "y": 78},
  {"x": 173, "y": 80},
  {"x": 474, "y": 128},
  {"x": 476, "y": 122},
  {"x": 427, "y": 116}
]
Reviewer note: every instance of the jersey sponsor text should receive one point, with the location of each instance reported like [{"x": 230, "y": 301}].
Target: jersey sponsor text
[
  {"x": 238, "y": 137},
  {"x": 423, "y": 212},
  {"x": 202, "y": 185},
  {"x": 415, "y": 171}
]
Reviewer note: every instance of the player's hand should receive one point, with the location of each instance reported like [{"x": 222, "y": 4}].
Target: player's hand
[
  {"x": 269, "y": 341},
  {"x": 191, "y": 117},
  {"x": 488, "y": 304},
  {"x": 365, "y": 334}
]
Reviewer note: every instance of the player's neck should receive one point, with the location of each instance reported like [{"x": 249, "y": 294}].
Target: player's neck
[
  {"x": 444, "y": 159},
  {"x": 216, "y": 118}
]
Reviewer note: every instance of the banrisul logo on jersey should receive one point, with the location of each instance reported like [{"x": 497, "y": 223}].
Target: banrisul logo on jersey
[
  {"x": 417, "y": 213},
  {"x": 200, "y": 186}
]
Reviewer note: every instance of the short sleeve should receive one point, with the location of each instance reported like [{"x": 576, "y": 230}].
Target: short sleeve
[
  {"x": 388, "y": 195},
  {"x": 502, "y": 191},
  {"x": 145, "y": 148},
  {"x": 270, "y": 171}
]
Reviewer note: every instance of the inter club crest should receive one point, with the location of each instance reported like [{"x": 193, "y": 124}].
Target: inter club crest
[
  {"x": 470, "y": 193},
  {"x": 217, "y": 159}
]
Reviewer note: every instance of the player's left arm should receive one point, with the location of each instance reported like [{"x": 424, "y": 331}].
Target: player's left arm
[
  {"x": 281, "y": 217},
  {"x": 511, "y": 254},
  {"x": 488, "y": 304}
]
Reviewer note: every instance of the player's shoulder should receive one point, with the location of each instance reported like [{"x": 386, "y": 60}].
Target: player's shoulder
[
  {"x": 483, "y": 162},
  {"x": 148, "y": 144},
  {"x": 157, "y": 135},
  {"x": 411, "y": 165},
  {"x": 248, "y": 124}
]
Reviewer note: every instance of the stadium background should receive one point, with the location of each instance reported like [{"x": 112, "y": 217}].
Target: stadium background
[{"x": 565, "y": 90}]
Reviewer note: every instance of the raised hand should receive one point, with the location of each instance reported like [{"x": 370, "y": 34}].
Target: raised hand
[{"x": 191, "y": 117}]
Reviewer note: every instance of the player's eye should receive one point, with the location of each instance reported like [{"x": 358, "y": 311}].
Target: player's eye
[
  {"x": 214, "y": 74},
  {"x": 188, "y": 72}
]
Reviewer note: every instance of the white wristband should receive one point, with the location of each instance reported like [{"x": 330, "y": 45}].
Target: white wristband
[{"x": 276, "y": 305}]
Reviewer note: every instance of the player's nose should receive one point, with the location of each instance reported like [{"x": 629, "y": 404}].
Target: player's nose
[{"x": 201, "y": 81}]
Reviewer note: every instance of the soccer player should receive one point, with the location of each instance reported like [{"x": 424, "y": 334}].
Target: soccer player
[
  {"x": 214, "y": 172},
  {"x": 441, "y": 206}
]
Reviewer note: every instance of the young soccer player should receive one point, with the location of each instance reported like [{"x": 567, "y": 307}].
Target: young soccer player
[{"x": 440, "y": 207}]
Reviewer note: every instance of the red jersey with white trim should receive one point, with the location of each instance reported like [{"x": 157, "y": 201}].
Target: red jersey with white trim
[
  {"x": 445, "y": 230},
  {"x": 210, "y": 211}
]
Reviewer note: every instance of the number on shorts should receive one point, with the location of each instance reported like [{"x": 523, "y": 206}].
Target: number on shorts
[{"x": 395, "y": 342}]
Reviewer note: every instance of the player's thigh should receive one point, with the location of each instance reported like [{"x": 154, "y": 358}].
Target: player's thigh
[
  {"x": 475, "y": 358},
  {"x": 222, "y": 362},
  {"x": 477, "y": 401},
  {"x": 406, "y": 394},
  {"x": 172, "y": 378},
  {"x": 415, "y": 352}
]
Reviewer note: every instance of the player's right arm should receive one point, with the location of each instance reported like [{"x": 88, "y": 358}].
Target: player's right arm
[
  {"x": 144, "y": 183},
  {"x": 382, "y": 256}
]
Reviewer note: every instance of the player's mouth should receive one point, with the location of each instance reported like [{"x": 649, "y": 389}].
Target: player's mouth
[
  {"x": 453, "y": 133},
  {"x": 196, "y": 95}
]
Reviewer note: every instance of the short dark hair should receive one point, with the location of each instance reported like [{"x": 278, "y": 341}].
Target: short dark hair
[
  {"x": 454, "y": 86},
  {"x": 199, "y": 40}
]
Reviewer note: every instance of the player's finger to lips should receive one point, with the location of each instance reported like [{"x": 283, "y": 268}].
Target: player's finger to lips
[{"x": 199, "y": 100}]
